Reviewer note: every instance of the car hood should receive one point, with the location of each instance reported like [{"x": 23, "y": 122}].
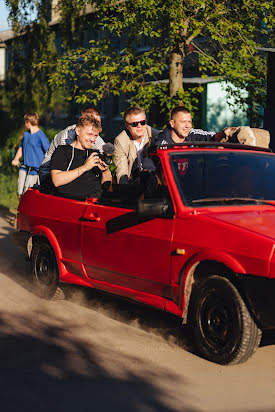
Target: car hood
[{"x": 258, "y": 221}]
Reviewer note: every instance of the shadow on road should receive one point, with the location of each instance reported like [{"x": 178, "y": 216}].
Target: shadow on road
[{"x": 49, "y": 369}]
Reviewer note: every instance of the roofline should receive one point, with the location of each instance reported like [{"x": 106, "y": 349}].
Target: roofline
[
  {"x": 6, "y": 35},
  {"x": 267, "y": 49}
]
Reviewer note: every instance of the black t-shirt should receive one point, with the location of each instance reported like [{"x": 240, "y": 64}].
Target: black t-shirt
[{"x": 86, "y": 185}]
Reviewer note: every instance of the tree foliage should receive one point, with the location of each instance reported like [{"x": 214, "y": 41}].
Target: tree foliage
[
  {"x": 147, "y": 46},
  {"x": 144, "y": 48},
  {"x": 26, "y": 88}
]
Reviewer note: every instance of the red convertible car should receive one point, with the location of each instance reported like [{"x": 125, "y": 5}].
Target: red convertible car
[{"x": 195, "y": 237}]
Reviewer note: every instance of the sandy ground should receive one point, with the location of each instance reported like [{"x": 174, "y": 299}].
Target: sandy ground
[{"x": 95, "y": 353}]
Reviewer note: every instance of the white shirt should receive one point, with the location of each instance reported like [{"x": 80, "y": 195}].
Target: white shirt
[{"x": 139, "y": 147}]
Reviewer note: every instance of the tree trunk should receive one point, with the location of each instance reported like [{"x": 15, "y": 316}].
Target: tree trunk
[{"x": 175, "y": 74}]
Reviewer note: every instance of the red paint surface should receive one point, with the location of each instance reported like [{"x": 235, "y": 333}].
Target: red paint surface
[{"x": 140, "y": 261}]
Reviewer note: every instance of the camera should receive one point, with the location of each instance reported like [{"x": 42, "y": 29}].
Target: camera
[
  {"x": 105, "y": 158},
  {"x": 106, "y": 153}
]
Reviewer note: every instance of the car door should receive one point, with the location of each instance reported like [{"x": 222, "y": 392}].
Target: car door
[{"x": 118, "y": 248}]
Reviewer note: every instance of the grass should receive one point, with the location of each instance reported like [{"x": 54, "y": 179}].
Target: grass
[{"x": 8, "y": 191}]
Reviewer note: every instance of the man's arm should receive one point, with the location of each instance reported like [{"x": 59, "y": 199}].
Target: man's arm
[
  {"x": 19, "y": 154},
  {"x": 224, "y": 133},
  {"x": 121, "y": 162},
  {"x": 58, "y": 140}
]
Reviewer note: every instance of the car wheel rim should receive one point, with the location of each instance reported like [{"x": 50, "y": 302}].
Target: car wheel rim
[
  {"x": 44, "y": 272},
  {"x": 219, "y": 323}
]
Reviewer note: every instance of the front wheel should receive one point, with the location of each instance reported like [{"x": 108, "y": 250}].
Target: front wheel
[
  {"x": 223, "y": 328},
  {"x": 45, "y": 270}
]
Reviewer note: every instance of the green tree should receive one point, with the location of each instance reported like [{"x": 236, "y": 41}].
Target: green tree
[
  {"x": 221, "y": 37},
  {"x": 145, "y": 47},
  {"x": 26, "y": 88}
]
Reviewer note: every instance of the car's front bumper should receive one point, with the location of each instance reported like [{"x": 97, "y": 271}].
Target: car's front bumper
[{"x": 259, "y": 294}]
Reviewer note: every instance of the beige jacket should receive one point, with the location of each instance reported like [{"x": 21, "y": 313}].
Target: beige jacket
[{"x": 126, "y": 153}]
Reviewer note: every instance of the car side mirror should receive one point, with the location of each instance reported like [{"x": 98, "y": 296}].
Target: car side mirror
[{"x": 151, "y": 208}]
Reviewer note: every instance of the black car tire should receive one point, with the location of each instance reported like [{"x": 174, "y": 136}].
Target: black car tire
[
  {"x": 44, "y": 270},
  {"x": 223, "y": 329}
]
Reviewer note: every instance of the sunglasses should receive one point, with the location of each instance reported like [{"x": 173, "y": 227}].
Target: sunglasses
[{"x": 135, "y": 124}]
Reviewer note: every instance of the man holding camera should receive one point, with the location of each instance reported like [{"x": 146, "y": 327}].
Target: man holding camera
[
  {"x": 132, "y": 144},
  {"x": 76, "y": 169},
  {"x": 66, "y": 136}
]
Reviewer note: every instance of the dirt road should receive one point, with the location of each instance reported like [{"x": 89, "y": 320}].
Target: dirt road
[{"x": 93, "y": 353}]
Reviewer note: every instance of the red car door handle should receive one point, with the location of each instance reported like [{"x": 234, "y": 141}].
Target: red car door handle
[{"x": 90, "y": 218}]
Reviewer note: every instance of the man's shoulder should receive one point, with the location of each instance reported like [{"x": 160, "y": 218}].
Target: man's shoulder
[
  {"x": 41, "y": 134},
  {"x": 71, "y": 127},
  {"x": 62, "y": 149},
  {"x": 122, "y": 137},
  {"x": 26, "y": 134},
  {"x": 164, "y": 137},
  {"x": 61, "y": 137}
]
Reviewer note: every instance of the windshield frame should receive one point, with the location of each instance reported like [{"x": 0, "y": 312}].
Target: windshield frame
[{"x": 227, "y": 201}]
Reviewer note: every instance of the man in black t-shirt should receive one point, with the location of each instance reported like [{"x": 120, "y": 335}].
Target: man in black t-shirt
[{"x": 76, "y": 170}]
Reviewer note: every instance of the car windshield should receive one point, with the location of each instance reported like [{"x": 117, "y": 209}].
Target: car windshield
[{"x": 224, "y": 178}]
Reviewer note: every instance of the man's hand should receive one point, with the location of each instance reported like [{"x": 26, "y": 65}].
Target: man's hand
[
  {"x": 226, "y": 133},
  {"x": 15, "y": 162},
  {"x": 92, "y": 161},
  {"x": 106, "y": 176},
  {"x": 229, "y": 131},
  {"x": 102, "y": 165}
]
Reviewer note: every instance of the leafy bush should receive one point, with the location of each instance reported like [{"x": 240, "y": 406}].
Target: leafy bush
[
  {"x": 8, "y": 191},
  {"x": 50, "y": 133}
]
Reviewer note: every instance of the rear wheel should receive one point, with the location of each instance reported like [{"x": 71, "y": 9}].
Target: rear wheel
[
  {"x": 223, "y": 328},
  {"x": 45, "y": 270}
]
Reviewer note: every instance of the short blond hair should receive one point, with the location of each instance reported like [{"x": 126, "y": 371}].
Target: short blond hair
[
  {"x": 89, "y": 121},
  {"x": 32, "y": 118},
  {"x": 133, "y": 110}
]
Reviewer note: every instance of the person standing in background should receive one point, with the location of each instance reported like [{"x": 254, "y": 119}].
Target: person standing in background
[{"x": 33, "y": 147}]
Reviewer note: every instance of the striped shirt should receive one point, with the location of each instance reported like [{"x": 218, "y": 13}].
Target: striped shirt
[{"x": 195, "y": 135}]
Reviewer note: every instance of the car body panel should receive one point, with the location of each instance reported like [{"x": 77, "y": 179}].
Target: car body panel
[
  {"x": 151, "y": 260},
  {"x": 118, "y": 255}
]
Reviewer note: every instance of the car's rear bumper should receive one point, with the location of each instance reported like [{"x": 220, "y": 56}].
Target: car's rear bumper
[
  {"x": 259, "y": 294},
  {"x": 21, "y": 239}
]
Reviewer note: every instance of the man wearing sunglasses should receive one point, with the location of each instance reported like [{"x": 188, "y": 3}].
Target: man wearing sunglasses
[{"x": 132, "y": 144}]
